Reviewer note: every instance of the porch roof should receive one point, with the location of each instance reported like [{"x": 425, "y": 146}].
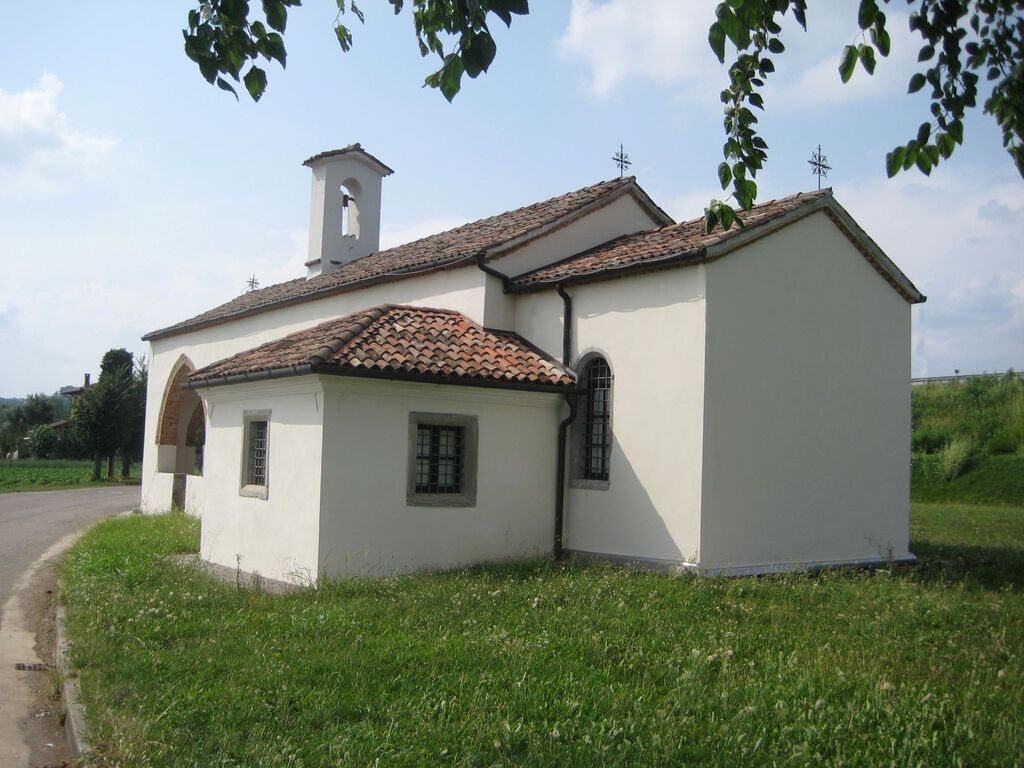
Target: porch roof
[{"x": 398, "y": 342}]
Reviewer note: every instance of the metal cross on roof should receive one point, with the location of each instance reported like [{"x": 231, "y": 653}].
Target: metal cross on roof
[
  {"x": 252, "y": 283},
  {"x": 819, "y": 165},
  {"x": 622, "y": 160}
]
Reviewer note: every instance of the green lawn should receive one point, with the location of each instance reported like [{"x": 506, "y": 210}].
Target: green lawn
[
  {"x": 52, "y": 474},
  {"x": 557, "y": 665}
]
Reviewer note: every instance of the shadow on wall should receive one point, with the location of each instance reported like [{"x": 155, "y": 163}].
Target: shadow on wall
[{"x": 622, "y": 521}]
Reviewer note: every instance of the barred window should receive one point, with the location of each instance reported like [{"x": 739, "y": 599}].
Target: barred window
[
  {"x": 255, "y": 470},
  {"x": 442, "y": 460},
  {"x": 597, "y": 440},
  {"x": 439, "y": 459},
  {"x": 257, "y": 464}
]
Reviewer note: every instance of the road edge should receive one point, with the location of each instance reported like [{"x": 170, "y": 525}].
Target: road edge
[{"x": 70, "y": 693}]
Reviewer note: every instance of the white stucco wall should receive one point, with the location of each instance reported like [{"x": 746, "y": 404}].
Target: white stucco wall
[
  {"x": 277, "y": 536},
  {"x": 807, "y": 423},
  {"x": 650, "y": 328},
  {"x": 458, "y": 289},
  {"x": 622, "y": 216},
  {"x": 367, "y": 528}
]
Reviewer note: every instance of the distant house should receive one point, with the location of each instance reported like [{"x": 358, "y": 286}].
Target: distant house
[
  {"x": 581, "y": 373},
  {"x": 72, "y": 393}
]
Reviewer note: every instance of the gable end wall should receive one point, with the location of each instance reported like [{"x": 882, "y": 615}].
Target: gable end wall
[{"x": 807, "y": 405}]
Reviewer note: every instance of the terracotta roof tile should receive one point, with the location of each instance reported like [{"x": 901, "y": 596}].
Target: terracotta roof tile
[
  {"x": 400, "y": 342},
  {"x": 456, "y": 246},
  {"x": 676, "y": 242}
]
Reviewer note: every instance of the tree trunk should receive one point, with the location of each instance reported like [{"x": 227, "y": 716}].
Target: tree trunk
[
  {"x": 96, "y": 465},
  {"x": 110, "y": 467},
  {"x": 126, "y": 467}
]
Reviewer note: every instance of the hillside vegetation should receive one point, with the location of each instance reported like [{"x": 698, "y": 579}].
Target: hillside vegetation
[{"x": 968, "y": 440}]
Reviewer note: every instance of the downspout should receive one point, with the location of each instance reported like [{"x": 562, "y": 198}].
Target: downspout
[
  {"x": 563, "y": 428},
  {"x": 506, "y": 281}
]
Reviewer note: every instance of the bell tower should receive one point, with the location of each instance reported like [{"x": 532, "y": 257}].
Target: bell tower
[{"x": 344, "y": 209}]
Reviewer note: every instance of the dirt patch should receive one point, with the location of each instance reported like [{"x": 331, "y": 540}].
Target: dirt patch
[{"x": 43, "y": 728}]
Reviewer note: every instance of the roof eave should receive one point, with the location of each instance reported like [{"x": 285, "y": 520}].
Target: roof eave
[
  {"x": 868, "y": 248},
  {"x": 355, "y": 152},
  {"x": 631, "y": 189},
  {"x": 331, "y": 290},
  {"x": 857, "y": 236},
  {"x": 874, "y": 253},
  {"x": 373, "y": 373},
  {"x": 682, "y": 258}
]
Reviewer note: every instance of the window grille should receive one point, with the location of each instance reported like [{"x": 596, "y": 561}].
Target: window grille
[
  {"x": 598, "y": 439},
  {"x": 439, "y": 459},
  {"x": 257, "y": 467}
]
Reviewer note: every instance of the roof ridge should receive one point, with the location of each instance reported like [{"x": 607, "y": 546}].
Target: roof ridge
[
  {"x": 536, "y": 204},
  {"x": 417, "y": 308},
  {"x": 815, "y": 193},
  {"x": 442, "y": 250}
]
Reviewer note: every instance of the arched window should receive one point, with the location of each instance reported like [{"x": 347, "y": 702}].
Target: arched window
[{"x": 597, "y": 415}]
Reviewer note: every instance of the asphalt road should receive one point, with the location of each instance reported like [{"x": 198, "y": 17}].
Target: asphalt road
[
  {"x": 34, "y": 529},
  {"x": 31, "y": 522}
]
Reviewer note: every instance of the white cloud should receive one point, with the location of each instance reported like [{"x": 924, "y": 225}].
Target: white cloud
[
  {"x": 40, "y": 151},
  {"x": 664, "y": 40},
  {"x": 942, "y": 233},
  {"x": 809, "y": 76}
]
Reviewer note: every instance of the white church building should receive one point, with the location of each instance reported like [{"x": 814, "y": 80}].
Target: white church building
[{"x": 582, "y": 375}]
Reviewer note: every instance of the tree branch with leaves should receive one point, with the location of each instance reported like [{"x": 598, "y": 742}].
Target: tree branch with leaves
[
  {"x": 227, "y": 38},
  {"x": 963, "y": 42},
  {"x": 963, "y": 39}
]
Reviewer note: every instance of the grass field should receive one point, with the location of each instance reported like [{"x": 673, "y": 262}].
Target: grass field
[
  {"x": 51, "y": 474},
  {"x": 557, "y": 665},
  {"x": 968, "y": 441}
]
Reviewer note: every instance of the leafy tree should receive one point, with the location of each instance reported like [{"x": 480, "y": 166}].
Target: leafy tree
[
  {"x": 963, "y": 41},
  {"x": 38, "y": 409},
  {"x": 225, "y": 37},
  {"x": 99, "y": 416},
  {"x": 120, "y": 363},
  {"x": 116, "y": 360},
  {"x": 42, "y": 441},
  {"x": 133, "y": 434},
  {"x": 16, "y": 421}
]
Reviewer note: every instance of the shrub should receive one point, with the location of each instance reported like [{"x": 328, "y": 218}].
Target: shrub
[
  {"x": 1003, "y": 442},
  {"x": 42, "y": 441},
  {"x": 956, "y": 457},
  {"x": 930, "y": 439}
]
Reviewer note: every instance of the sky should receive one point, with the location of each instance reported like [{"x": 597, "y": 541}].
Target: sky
[{"x": 134, "y": 195}]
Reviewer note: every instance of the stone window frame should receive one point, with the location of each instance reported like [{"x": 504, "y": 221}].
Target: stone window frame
[
  {"x": 244, "y": 488},
  {"x": 470, "y": 445},
  {"x": 579, "y": 428}
]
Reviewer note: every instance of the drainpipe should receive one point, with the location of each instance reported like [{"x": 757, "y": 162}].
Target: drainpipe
[
  {"x": 506, "y": 281},
  {"x": 563, "y": 428},
  {"x": 566, "y": 324}
]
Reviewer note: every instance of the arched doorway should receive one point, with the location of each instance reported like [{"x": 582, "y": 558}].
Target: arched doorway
[{"x": 181, "y": 432}]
